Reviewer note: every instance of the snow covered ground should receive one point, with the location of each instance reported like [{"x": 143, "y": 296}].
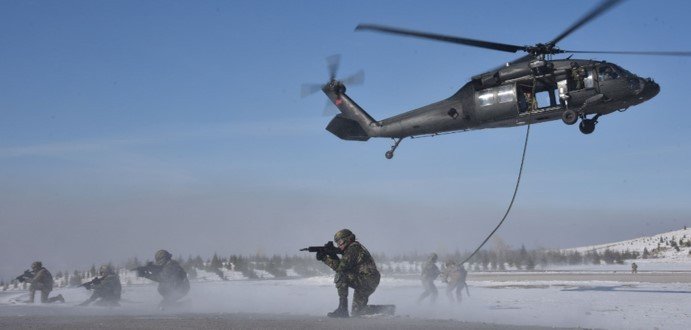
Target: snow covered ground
[
  {"x": 588, "y": 304},
  {"x": 661, "y": 246}
]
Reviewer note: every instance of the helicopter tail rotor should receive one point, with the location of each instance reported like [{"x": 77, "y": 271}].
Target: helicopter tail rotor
[{"x": 333, "y": 64}]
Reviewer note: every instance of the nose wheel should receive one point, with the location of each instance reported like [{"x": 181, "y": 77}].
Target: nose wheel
[{"x": 389, "y": 154}]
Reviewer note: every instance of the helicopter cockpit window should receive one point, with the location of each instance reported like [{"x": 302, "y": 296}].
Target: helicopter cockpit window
[
  {"x": 506, "y": 94},
  {"x": 607, "y": 73},
  {"x": 488, "y": 97}
]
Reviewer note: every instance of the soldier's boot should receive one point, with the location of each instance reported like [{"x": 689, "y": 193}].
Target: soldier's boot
[
  {"x": 342, "y": 310},
  {"x": 59, "y": 298}
]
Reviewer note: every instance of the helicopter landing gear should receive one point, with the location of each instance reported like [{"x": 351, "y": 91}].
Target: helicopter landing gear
[
  {"x": 587, "y": 126},
  {"x": 389, "y": 154},
  {"x": 569, "y": 117}
]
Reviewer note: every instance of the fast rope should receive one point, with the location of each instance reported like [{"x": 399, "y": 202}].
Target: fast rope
[{"x": 513, "y": 198}]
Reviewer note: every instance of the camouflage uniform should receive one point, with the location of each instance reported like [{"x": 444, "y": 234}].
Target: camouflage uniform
[
  {"x": 42, "y": 281},
  {"x": 454, "y": 275},
  {"x": 172, "y": 279},
  {"x": 355, "y": 269},
  {"x": 430, "y": 272},
  {"x": 107, "y": 290},
  {"x": 578, "y": 75}
]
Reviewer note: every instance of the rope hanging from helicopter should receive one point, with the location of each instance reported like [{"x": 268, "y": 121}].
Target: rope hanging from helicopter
[{"x": 518, "y": 179}]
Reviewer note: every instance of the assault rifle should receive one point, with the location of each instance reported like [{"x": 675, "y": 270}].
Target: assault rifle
[
  {"x": 328, "y": 249},
  {"x": 148, "y": 270},
  {"x": 26, "y": 276},
  {"x": 90, "y": 284}
]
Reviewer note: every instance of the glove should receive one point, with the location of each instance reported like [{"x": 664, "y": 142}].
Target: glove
[{"x": 321, "y": 256}]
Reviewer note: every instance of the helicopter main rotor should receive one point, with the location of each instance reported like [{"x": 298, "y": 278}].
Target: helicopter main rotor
[{"x": 537, "y": 50}]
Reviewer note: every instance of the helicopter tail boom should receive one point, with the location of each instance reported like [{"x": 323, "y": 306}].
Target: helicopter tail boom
[{"x": 353, "y": 123}]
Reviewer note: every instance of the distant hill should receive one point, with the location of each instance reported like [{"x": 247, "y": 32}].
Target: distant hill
[{"x": 670, "y": 246}]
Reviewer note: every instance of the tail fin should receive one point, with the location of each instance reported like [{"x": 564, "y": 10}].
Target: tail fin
[
  {"x": 347, "y": 129},
  {"x": 351, "y": 113}
]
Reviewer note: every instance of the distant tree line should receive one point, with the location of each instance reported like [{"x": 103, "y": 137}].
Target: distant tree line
[{"x": 499, "y": 258}]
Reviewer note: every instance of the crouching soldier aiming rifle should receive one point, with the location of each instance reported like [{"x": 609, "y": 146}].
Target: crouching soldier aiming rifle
[
  {"x": 172, "y": 279},
  {"x": 354, "y": 269},
  {"x": 106, "y": 289},
  {"x": 41, "y": 280}
]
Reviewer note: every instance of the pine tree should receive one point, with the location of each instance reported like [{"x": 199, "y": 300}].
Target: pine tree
[
  {"x": 215, "y": 262},
  {"x": 76, "y": 279}
]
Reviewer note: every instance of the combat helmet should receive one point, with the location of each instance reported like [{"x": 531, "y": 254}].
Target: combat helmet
[
  {"x": 162, "y": 256},
  {"x": 105, "y": 270},
  {"x": 36, "y": 265},
  {"x": 433, "y": 257},
  {"x": 345, "y": 236}
]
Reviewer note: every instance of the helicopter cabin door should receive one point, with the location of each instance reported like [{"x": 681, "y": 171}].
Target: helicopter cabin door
[
  {"x": 578, "y": 87},
  {"x": 496, "y": 103}
]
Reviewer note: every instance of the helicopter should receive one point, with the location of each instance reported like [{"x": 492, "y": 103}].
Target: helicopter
[{"x": 507, "y": 96}]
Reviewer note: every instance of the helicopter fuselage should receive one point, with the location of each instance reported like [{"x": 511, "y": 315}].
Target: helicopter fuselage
[{"x": 517, "y": 94}]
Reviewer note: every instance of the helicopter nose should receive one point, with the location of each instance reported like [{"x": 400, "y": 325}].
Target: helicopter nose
[{"x": 650, "y": 89}]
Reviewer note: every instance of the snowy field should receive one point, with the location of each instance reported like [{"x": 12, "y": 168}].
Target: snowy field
[{"x": 546, "y": 302}]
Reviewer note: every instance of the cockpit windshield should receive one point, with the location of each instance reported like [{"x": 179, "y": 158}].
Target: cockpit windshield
[{"x": 611, "y": 71}]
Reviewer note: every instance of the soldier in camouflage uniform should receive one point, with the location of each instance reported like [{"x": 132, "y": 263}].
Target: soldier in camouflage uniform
[
  {"x": 172, "y": 279},
  {"x": 107, "y": 289},
  {"x": 430, "y": 272},
  {"x": 355, "y": 269},
  {"x": 42, "y": 281},
  {"x": 454, "y": 275}
]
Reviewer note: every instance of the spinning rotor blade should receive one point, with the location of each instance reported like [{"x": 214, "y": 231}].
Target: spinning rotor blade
[
  {"x": 309, "y": 89},
  {"x": 355, "y": 79},
  {"x": 440, "y": 37},
  {"x": 595, "y": 12},
  {"x": 518, "y": 60},
  {"x": 654, "y": 53},
  {"x": 333, "y": 62}
]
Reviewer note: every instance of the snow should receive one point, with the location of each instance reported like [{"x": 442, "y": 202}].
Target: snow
[
  {"x": 552, "y": 296},
  {"x": 588, "y": 304},
  {"x": 661, "y": 242}
]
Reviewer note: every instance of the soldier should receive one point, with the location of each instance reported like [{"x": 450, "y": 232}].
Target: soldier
[
  {"x": 42, "y": 281},
  {"x": 430, "y": 272},
  {"x": 172, "y": 279},
  {"x": 634, "y": 268},
  {"x": 356, "y": 269},
  {"x": 454, "y": 275},
  {"x": 107, "y": 288},
  {"x": 578, "y": 74}
]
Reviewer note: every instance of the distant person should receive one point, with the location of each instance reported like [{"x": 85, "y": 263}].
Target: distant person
[
  {"x": 355, "y": 269},
  {"x": 634, "y": 268},
  {"x": 430, "y": 272},
  {"x": 40, "y": 279},
  {"x": 107, "y": 288},
  {"x": 578, "y": 75},
  {"x": 454, "y": 275},
  {"x": 172, "y": 279}
]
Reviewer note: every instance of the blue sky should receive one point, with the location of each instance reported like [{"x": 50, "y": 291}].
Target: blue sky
[{"x": 139, "y": 125}]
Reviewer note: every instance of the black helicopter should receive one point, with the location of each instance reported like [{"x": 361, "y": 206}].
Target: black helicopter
[{"x": 506, "y": 96}]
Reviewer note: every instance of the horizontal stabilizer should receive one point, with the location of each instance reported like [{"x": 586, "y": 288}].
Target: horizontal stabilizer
[{"x": 346, "y": 129}]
